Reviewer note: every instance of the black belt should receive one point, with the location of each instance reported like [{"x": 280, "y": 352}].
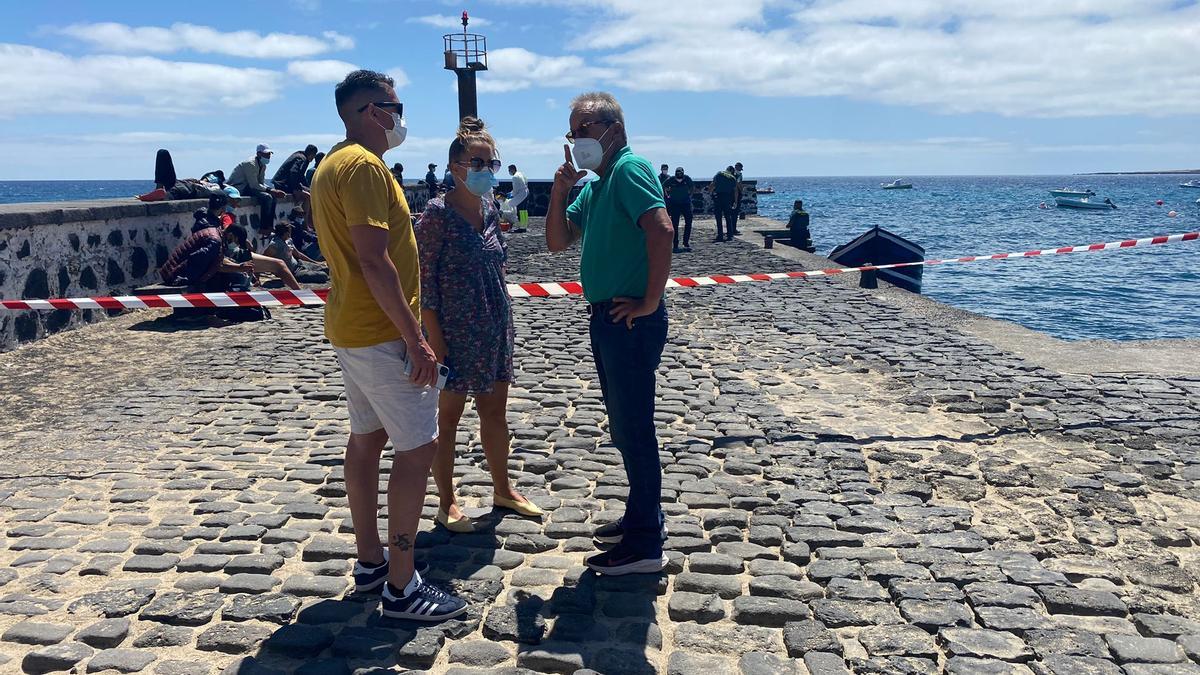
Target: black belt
[{"x": 594, "y": 308}]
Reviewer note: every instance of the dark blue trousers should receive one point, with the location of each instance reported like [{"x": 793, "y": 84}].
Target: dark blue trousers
[{"x": 627, "y": 363}]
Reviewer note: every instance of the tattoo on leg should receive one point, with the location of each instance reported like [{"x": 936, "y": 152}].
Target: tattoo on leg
[{"x": 401, "y": 541}]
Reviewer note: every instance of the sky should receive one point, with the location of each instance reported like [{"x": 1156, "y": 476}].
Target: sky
[{"x": 788, "y": 87}]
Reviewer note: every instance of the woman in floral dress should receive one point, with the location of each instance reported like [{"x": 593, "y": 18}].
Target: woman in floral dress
[{"x": 466, "y": 312}]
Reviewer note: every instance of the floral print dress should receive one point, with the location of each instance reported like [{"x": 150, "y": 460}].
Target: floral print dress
[{"x": 462, "y": 280}]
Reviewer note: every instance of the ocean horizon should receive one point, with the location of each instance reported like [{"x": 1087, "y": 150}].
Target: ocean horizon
[{"x": 1134, "y": 294}]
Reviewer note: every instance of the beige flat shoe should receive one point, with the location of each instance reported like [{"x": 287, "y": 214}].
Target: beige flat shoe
[
  {"x": 524, "y": 508},
  {"x": 461, "y": 525}
]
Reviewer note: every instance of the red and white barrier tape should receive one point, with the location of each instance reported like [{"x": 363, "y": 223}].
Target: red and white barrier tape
[{"x": 286, "y": 298}]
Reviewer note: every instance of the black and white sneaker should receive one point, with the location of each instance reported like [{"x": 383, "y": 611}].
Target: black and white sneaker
[
  {"x": 614, "y": 532},
  {"x": 427, "y": 603},
  {"x": 367, "y": 578},
  {"x": 620, "y": 561}
]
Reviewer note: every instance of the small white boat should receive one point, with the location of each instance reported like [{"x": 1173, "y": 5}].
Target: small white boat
[
  {"x": 1068, "y": 192},
  {"x": 1190, "y": 184},
  {"x": 765, "y": 191},
  {"x": 897, "y": 184},
  {"x": 1084, "y": 203}
]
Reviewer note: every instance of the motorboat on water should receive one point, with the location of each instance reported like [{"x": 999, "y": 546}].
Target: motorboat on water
[
  {"x": 878, "y": 246},
  {"x": 1084, "y": 203},
  {"x": 765, "y": 191},
  {"x": 1069, "y": 192},
  {"x": 1190, "y": 184},
  {"x": 897, "y": 184}
]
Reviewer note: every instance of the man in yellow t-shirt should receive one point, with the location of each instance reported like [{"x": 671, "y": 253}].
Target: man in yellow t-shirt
[{"x": 371, "y": 319}]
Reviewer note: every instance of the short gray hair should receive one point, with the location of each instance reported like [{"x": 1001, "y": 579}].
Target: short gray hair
[{"x": 604, "y": 103}]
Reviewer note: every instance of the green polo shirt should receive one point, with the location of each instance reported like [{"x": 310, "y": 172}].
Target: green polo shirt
[{"x": 613, "y": 261}]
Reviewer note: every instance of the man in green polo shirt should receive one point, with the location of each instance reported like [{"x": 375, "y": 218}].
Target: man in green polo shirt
[{"x": 622, "y": 220}]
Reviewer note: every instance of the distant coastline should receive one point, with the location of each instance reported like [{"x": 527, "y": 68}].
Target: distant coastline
[{"x": 1175, "y": 172}]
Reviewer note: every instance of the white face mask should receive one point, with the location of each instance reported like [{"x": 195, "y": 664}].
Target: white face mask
[
  {"x": 398, "y": 132},
  {"x": 589, "y": 152}
]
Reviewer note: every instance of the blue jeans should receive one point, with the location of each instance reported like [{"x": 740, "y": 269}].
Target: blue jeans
[{"x": 627, "y": 362}]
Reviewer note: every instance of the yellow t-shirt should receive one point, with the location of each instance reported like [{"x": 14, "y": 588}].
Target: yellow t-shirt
[{"x": 354, "y": 187}]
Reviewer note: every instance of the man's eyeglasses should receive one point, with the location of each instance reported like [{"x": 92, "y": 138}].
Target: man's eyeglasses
[
  {"x": 581, "y": 130},
  {"x": 396, "y": 105},
  {"x": 479, "y": 164}
]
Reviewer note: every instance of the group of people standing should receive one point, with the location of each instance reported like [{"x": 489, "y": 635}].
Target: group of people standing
[
  {"x": 679, "y": 189},
  {"x": 409, "y": 299}
]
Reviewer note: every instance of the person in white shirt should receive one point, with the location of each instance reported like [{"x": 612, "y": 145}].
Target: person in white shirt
[{"x": 520, "y": 193}]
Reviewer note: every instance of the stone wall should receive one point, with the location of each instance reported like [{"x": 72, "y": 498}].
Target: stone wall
[{"x": 86, "y": 249}]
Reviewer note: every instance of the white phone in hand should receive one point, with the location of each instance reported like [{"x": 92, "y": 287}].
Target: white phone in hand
[{"x": 442, "y": 370}]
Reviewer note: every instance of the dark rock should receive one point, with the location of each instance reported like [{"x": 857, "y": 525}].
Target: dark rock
[
  {"x": 551, "y": 659},
  {"x": 34, "y": 633},
  {"x": 111, "y": 604},
  {"x": 1061, "y": 600},
  {"x": 164, "y": 636},
  {"x": 932, "y": 615},
  {"x": 761, "y": 663},
  {"x": 825, "y": 663},
  {"x": 898, "y": 641},
  {"x": 515, "y": 624},
  {"x": 121, "y": 660},
  {"x": 801, "y": 637},
  {"x": 683, "y": 663},
  {"x": 420, "y": 648},
  {"x": 104, "y": 634},
  {"x": 842, "y": 613},
  {"x": 725, "y": 586},
  {"x": 1137, "y": 649},
  {"x": 764, "y": 611},
  {"x": 479, "y": 653},
  {"x": 55, "y": 658},
  {"x": 986, "y": 644},
  {"x": 232, "y": 638},
  {"x": 1061, "y": 664},
  {"x": 698, "y": 607},
  {"x": 183, "y": 608},
  {"x": 270, "y": 607}
]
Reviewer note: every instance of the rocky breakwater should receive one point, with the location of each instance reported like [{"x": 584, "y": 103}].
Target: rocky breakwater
[{"x": 850, "y": 486}]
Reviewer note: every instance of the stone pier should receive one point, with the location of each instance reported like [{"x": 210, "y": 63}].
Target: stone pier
[{"x": 855, "y": 481}]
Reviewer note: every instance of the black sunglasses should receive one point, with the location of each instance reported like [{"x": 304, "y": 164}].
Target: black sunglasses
[
  {"x": 386, "y": 104},
  {"x": 479, "y": 164},
  {"x": 582, "y": 129}
]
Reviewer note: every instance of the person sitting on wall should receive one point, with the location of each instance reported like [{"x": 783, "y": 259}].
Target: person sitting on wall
[
  {"x": 398, "y": 173},
  {"x": 308, "y": 175},
  {"x": 290, "y": 176},
  {"x": 250, "y": 179}
]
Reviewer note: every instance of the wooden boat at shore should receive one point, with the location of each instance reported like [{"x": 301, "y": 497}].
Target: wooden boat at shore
[
  {"x": 1084, "y": 203},
  {"x": 878, "y": 246}
]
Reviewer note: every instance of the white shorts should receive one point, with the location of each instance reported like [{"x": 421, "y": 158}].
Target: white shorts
[{"x": 382, "y": 397}]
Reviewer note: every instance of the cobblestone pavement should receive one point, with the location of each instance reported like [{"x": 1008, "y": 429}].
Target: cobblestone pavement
[{"x": 848, "y": 488}]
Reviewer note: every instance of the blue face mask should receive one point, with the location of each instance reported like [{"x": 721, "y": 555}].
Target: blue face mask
[{"x": 481, "y": 182}]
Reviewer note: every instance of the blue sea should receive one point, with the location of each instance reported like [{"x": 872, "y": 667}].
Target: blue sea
[{"x": 1133, "y": 294}]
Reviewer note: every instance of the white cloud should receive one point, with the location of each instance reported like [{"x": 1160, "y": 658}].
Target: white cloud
[
  {"x": 1034, "y": 59},
  {"x": 449, "y": 21},
  {"x": 319, "y": 71},
  {"x": 123, "y": 38},
  {"x": 514, "y": 69},
  {"x": 399, "y": 76},
  {"x": 126, "y": 85}
]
